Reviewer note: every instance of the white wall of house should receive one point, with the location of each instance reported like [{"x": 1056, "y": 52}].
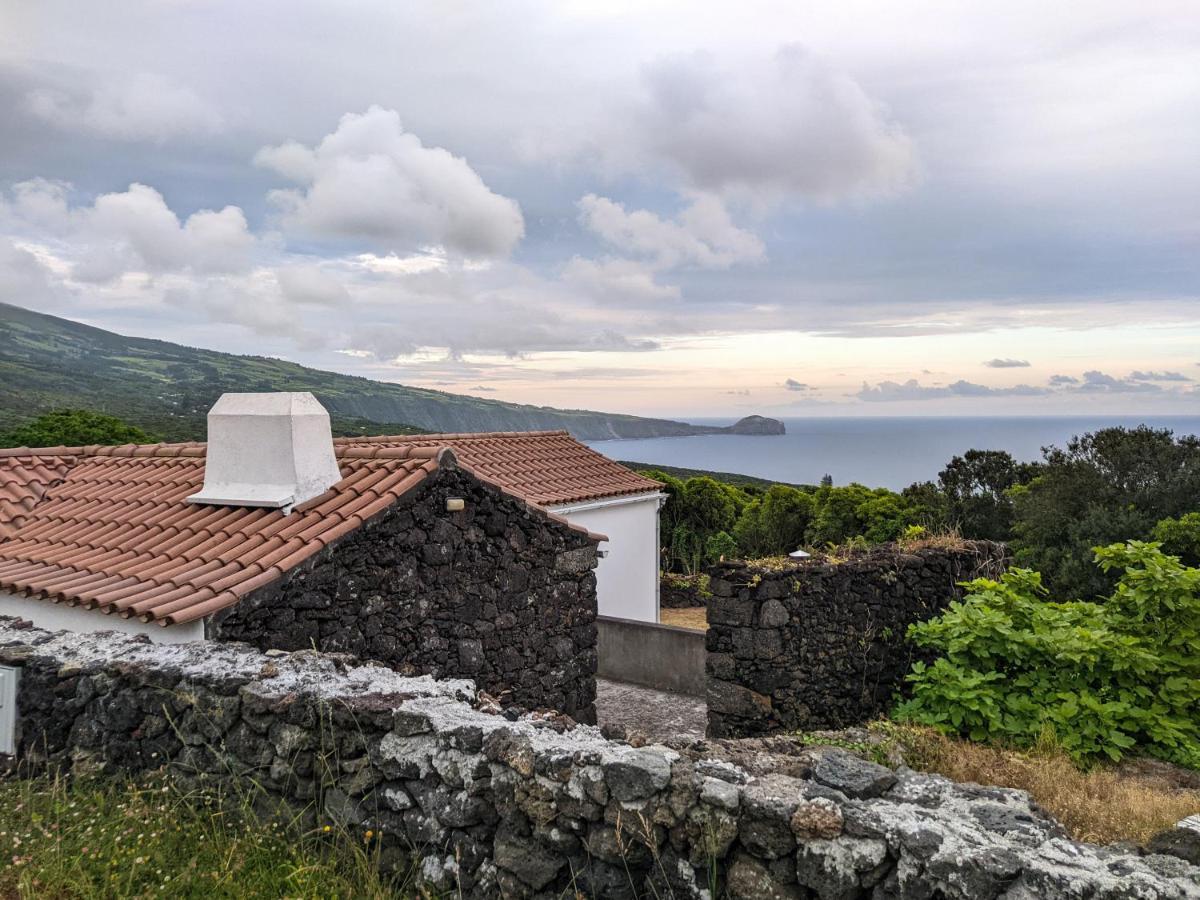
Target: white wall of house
[
  {"x": 61, "y": 617},
  {"x": 627, "y": 577}
]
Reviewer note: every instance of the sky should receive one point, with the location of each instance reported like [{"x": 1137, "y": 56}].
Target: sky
[{"x": 668, "y": 208}]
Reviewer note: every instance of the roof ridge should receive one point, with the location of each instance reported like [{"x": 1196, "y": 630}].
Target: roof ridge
[
  {"x": 159, "y": 449},
  {"x": 173, "y": 448},
  {"x": 449, "y": 435}
]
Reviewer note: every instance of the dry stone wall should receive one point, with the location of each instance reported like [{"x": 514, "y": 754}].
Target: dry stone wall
[
  {"x": 500, "y": 593},
  {"x": 821, "y": 644},
  {"x": 487, "y": 807}
]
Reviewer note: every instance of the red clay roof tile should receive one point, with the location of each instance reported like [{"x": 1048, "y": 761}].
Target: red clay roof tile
[
  {"x": 109, "y": 527},
  {"x": 549, "y": 468}
]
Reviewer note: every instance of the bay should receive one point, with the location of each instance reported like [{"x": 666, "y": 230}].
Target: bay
[{"x": 890, "y": 452}]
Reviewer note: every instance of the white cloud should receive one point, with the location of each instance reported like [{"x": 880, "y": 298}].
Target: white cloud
[
  {"x": 372, "y": 181},
  {"x": 621, "y": 281},
  {"x": 704, "y": 235},
  {"x": 143, "y": 106},
  {"x": 136, "y": 229},
  {"x": 309, "y": 283},
  {"x": 784, "y": 124},
  {"x": 1157, "y": 376},
  {"x": 132, "y": 230},
  {"x": 391, "y": 264},
  {"x": 24, "y": 279}
]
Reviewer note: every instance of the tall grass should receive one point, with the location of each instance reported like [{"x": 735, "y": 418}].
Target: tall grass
[
  {"x": 1101, "y": 804},
  {"x": 148, "y": 838}
]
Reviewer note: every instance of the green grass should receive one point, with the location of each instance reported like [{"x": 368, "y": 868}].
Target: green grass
[{"x": 126, "y": 839}]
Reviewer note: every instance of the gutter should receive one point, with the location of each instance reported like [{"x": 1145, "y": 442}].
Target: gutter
[{"x": 611, "y": 501}]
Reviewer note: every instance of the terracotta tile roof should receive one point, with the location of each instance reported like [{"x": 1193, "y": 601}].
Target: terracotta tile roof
[
  {"x": 23, "y": 482},
  {"x": 549, "y": 468},
  {"x": 113, "y": 531},
  {"x": 108, "y": 528}
]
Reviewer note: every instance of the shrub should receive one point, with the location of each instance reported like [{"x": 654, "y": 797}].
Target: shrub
[
  {"x": 74, "y": 428},
  {"x": 1180, "y": 537},
  {"x": 1106, "y": 678}
]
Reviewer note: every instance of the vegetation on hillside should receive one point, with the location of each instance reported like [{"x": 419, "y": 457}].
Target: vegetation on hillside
[
  {"x": 1112, "y": 678},
  {"x": 51, "y": 363},
  {"x": 74, "y": 428}
]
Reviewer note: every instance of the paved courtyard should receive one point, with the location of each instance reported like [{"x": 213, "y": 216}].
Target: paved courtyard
[{"x": 657, "y": 714}]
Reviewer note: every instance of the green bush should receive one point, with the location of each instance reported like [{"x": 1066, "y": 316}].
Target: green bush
[
  {"x": 1180, "y": 537},
  {"x": 1106, "y": 678},
  {"x": 74, "y": 428}
]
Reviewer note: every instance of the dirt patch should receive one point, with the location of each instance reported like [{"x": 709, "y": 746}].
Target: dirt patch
[{"x": 695, "y": 618}]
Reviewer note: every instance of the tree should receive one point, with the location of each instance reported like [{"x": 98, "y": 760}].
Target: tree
[
  {"x": 74, "y": 428},
  {"x": 720, "y": 546},
  {"x": 837, "y": 518},
  {"x": 976, "y": 487},
  {"x": 750, "y": 533},
  {"x": 1180, "y": 537},
  {"x": 884, "y": 517},
  {"x": 1112, "y": 485},
  {"x": 785, "y": 513},
  {"x": 696, "y": 510}
]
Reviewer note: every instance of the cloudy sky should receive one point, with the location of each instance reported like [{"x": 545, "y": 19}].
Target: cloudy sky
[{"x": 676, "y": 208}]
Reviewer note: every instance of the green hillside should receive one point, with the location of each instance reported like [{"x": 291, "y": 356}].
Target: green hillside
[{"x": 47, "y": 362}]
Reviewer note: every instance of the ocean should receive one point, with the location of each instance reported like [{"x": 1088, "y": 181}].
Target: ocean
[{"x": 878, "y": 452}]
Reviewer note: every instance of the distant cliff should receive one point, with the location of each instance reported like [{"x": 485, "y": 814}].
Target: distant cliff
[{"x": 48, "y": 362}]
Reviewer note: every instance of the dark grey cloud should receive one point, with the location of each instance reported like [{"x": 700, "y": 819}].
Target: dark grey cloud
[
  {"x": 793, "y": 385},
  {"x": 787, "y": 124},
  {"x": 890, "y": 391},
  {"x": 1096, "y": 382},
  {"x": 1003, "y": 363},
  {"x": 1063, "y": 379}
]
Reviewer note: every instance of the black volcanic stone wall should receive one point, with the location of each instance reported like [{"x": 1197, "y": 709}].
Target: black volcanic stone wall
[
  {"x": 499, "y": 593},
  {"x": 475, "y": 806},
  {"x": 822, "y": 644}
]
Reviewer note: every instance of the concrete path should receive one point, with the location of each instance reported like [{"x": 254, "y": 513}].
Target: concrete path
[{"x": 657, "y": 714}]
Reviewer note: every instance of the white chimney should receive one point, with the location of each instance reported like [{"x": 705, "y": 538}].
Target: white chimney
[{"x": 267, "y": 450}]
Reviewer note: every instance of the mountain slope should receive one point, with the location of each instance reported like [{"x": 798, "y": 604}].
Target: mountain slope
[{"x": 48, "y": 362}]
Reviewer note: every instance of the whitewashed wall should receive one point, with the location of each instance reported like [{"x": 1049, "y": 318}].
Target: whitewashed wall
[
  {"x": 60, "y": 617},
  {"x": 627, "y": 578}
]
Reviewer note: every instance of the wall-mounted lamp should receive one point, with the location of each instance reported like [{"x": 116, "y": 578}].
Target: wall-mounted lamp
[{"x": 455, "y": 504}]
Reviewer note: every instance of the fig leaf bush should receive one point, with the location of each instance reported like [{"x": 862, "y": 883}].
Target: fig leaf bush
[{"x": 1108, "y": 678}]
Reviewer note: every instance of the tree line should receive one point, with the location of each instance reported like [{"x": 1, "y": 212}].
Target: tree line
[{"x": 1107, "y": 486}]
